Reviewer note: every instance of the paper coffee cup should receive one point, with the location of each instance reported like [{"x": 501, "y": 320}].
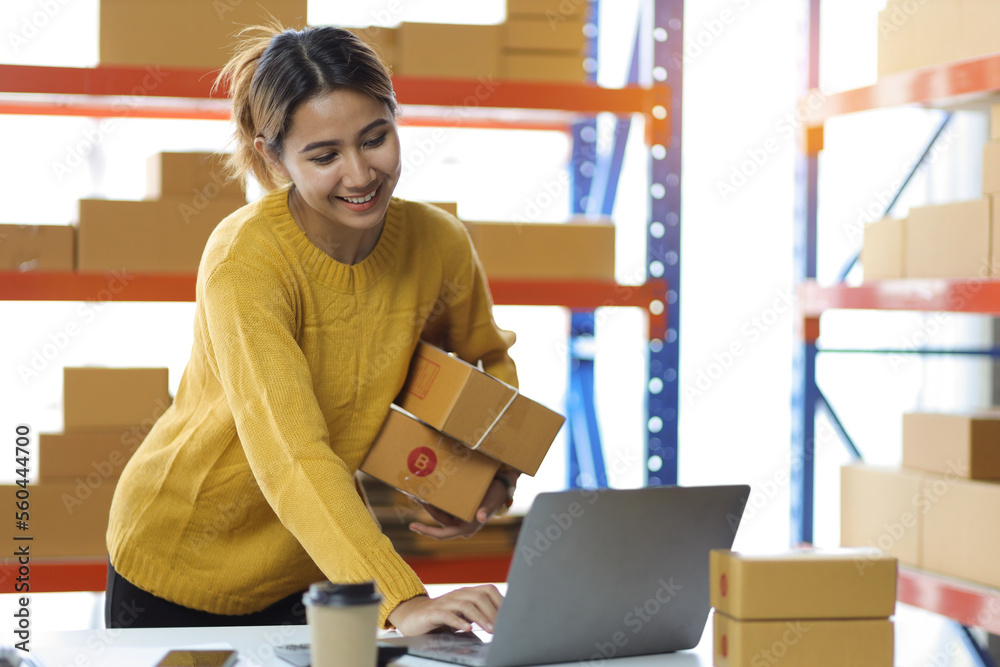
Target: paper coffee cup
[{"x": 343, "y": 620}]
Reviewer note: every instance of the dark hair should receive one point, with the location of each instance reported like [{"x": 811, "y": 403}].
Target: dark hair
[{"x": 276, "y": 70}]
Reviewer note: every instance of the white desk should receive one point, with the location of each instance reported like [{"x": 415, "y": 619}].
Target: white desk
[{"x": 142, "y": 647}]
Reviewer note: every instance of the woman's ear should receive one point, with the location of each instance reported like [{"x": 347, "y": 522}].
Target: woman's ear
[{"x": 261, "y": 146}]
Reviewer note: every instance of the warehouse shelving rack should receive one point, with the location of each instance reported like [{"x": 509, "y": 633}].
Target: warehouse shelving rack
[
  {"x": 946, "y": 85},
  {"x": 184, "y": 93}
]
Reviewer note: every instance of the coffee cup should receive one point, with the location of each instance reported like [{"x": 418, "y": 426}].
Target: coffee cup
[{"x": 343, "y": 620}]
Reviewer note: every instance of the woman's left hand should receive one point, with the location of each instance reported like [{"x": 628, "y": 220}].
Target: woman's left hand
[{"x": 451, "y": 526}]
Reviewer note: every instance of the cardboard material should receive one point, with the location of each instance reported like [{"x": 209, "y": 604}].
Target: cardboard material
[
  {"x": 183, "y": 33},
  {"x": 382, "y": 41},
  {"x": 524, "y": 250},
  {"x": 964, "y": 445},
  {"x": 37, "y": 247},
  {"x": 979, "y": 35},
  {"x": 995, "y": 122},
  {"x": 553, "y": 10},
  {"x": 64, "y": 519},
  {"x": 883, "y": 508},
  {"x": 895, "y": 40},
  {"x": 164, "y": 236},
  {"x": 448, "y": 51},
  {"x": 991, "y": 168},
  {"x": 477, "y": 409},
  {"x": 961, "y": 536},
  {"x": 937, "y": 32},
  {"x": 113, "y": 399},
  {"x": 949, "y": 240},
  {"x": 542, "y": 66},
  {"x": 540, "y": 34},
  {"x": 67, "y": 457},
  {"x": 190, "y": 175},
  {"x": 803, "y": 583},
  {"x": 882, "y": 253},
  {"x": 802, "y": 643},
  {"x": 429, "y": 465}
]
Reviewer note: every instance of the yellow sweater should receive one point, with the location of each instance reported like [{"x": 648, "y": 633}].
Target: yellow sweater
[{"x": 243, "y": 492}]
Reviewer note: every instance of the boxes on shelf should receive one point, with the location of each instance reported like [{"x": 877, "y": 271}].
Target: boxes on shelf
[
  {"x": 978, "y": 28},
  {"x": 182, "y": 33},
  {"x": 553, "y": 10},
  {"x": 447, "y": 50},
  {"x": 895, "y": 40},
  {"x": 64, "y": 457},
  {"x": 937, "y": 32},
  {"x": 65, "y": 520},
  {"x": 37, "y": 247},
  {"x": 539, "y": 34},
  {"x": 478, "y": 410},
  {"x": 429, "y": 465},
  {"x": 382, "y": 41},
  {"x": 883, "y": 508},
  {"x": 961, "y": 535},
  {"x": 882, "y": 252},
  {"x": 542, "y": 66},
  {"x": 949, "y": 240},
  {"x": 963, "y": 445},
  {"x": 803, "y": 583},
  {"x": 162, "y": 236},
  {"x": 105, "y": 399},
  {"x": 802, "y": 643},
  {"x": 524, "y": 250},
  {"x": 189, "y": 175}
]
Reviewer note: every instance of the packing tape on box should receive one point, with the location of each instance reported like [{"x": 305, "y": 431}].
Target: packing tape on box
[{"x": 500, "y": 414}]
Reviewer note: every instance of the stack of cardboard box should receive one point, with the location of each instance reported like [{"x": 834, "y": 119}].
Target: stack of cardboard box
[
  {"x": 524, "y": 250},
  {"x": 916, "y": 34},
  {"x": 452, "y": 428},
  {"x": 107, "y": 413},
  {"x": 544, "y": 40},
  {"x": 187, "y": 196},
  {"x": 805, "y": 608},
  {"x": 939, "y": 510},
  {"x": 37, "y": 247}
]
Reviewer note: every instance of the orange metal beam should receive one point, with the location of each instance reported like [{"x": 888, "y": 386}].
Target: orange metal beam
[
  {"x": 966, "y": 296},
  {"x": 937, "y": 83},
  {"x": 970, "y": 604}
]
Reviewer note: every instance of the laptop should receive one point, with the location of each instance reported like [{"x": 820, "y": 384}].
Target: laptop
[{"x": 600, "y": 574}]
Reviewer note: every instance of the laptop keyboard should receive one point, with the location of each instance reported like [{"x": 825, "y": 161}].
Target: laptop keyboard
[{"x": 450, "y": 648}]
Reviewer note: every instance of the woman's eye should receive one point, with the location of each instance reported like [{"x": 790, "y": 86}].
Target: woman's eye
[
  {"x": 375, "y": 142},
  {"x": 324, "y": 159}
]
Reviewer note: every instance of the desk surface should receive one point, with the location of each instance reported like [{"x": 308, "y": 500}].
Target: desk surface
[{"x": 139, "y": 647}]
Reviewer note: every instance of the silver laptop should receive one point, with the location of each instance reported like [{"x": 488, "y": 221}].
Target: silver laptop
[{"x": 602, "y": 574}]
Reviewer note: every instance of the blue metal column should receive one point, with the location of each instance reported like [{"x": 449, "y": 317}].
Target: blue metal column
[
  {"x": 664, "y": 234},
  {"x": 804, "y": 391}
]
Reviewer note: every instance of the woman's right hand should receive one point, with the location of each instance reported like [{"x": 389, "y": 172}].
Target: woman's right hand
[{"x": 456, "y": 610}]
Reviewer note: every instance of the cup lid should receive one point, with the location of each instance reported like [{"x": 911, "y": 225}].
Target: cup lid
[{"x": 328, "y": 594}]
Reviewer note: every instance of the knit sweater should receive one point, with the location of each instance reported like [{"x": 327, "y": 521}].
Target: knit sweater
[{"x": 243, "y": 491}]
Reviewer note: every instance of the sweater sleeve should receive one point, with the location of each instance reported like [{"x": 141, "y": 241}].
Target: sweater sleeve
[{"x": 267, "y": 382}]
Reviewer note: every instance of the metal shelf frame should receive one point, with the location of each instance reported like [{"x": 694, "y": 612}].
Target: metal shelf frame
[{"x": 947, "y": 85}]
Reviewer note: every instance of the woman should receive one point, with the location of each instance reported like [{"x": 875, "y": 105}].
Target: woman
[{"x": 309, "y": 305}]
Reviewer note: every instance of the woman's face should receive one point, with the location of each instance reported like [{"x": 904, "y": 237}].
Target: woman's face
[{"x": 342, "y": 154}]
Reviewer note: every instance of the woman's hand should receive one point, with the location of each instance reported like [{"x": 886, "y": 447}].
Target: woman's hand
[
  {"x": 451, "y": 526},
  {"x": 457, "y": 610}
]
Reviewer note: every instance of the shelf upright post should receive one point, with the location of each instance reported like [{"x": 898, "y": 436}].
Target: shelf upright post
[
  {"x": 586, "y": 467},
  {"x": 804, "y": 390},
  {"x": 663, "y": 240}
]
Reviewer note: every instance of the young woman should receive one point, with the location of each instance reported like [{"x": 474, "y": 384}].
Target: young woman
[{"x": 309, "y": 305}]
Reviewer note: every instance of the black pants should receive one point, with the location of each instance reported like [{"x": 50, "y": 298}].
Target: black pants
[{"x": 128, "y": 606}]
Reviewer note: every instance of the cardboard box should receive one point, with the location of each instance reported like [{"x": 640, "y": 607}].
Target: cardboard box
[
  {"x": 164, "y": 236},
  {"x": 895, "y": 40},
  {"x": 430, "y": 466},
  {"x": 37, "y": 247},
  {"x": 66, "y": 457},
  {"x": 539, "y": 66},
  {"x": 979, "y": 20},
  {"x": 995, "y": 122},
  {"x": 536, "y": 33},
  {"x": 961, "y": 535},
  {"x": 949, "y": 240},
  {"x": 804, "y": 583},
  {"x": 64, "y": 520},
  {"x": 448, "y": 51},
  {"x": 183, "y": 33},
  {"x": 190, "y": 175},
  {"x": 524, "y": 250},
  {"x": 450, "y": 207},
  {"x": 937, "y": 32},
  {"x": 964, "y": 445},
  {"x": 477, "y": 409},
  {"x": 883, "y": 508},
  {"x": 113, "y": 399},
  {"x": 802, "y": 643},
  {"x": 382, "y": 41},
  {"x": 553, "y": 10},
  {"x": 882, "y": 252}
]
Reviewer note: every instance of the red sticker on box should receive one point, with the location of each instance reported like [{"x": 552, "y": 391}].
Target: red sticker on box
[
  {"x": 723, "y": 585},
  {"x": 422, "y": 461},
  {"x": 725, "y": 647}
]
